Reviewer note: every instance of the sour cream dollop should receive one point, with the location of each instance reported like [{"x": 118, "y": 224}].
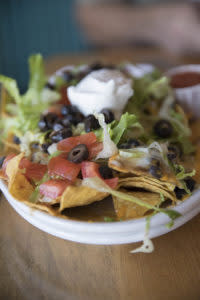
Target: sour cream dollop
[{"x": 101, "y": 89}]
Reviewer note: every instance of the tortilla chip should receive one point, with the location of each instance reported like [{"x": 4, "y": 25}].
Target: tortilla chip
[
  {"x": 44, "y": 207},
  {"x": 127, "y": 210},
  {"x": 19, "y": 187},
  {"x": 13, "y": 166},
  {"x": 197, "y": 165},
  {"x": 195, "y": 129},
  {"x": 135, "y": 182},
  {"x": 2, "y": 175},
  {"x": 80, "y": 195},
  {"x": 123, "y": 165},
  {"x": 150, "y": 180}
]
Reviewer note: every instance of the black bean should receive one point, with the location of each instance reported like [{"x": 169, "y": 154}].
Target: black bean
[
  {"x": 45, "y": 146},
  {"x": 16, "y": 140},
  {"x": 35, "y": 145},
  {"x": 50, "y": 118},
  {"x": 78, "y": 118},
  {"x": 131, "y": 143},
  {"x": 190, "y": 183},
  {"x": 155, "y": 162},
  {"x": 91, "y": 123},
  {"x": 42, "y": 124},
  {"x": 2, "y": 160},
  {"x": 66, "y": 122},
  {"x": 78, "y": 154},
  {"x": 163, "y": 129},
  {"x": 67, "y": 76},
  {"x": 108, "y": 114},
  {"x": 155, "y": 171},
  {"x": 60, "y": 135},
  {"x": 69, "y": 119},
  {"x": 57, "y": 126},
  {"x": 50, "y": 86},
  {"x": 105, "y": 172},
  {"x": 68, "y": 109},
  {"x": 179, "y": 192},
  {"x": 174, "y": 151}
]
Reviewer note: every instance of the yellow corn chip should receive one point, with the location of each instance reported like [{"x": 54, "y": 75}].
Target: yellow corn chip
[
  {"x": 134, "y": 182},
  {"x": 13, "y": 166},
  {"x": 127, "y": 210},
  {"x": 19, "y": 187},
  {"x": 80, "y": 195},
  {"x": 123, "y": 165}
]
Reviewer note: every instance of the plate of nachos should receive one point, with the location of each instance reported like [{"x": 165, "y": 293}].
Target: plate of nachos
[{"x": 101, "y": 154}]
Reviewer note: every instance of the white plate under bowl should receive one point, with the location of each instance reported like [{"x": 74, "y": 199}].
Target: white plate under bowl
[{"x": 104, "y": 233}]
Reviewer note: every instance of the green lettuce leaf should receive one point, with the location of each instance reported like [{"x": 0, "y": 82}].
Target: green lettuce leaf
[
  {"x": 147, "y": 88},
  {"x": 126, "y": 122},
  {"x": 119, "y": 130},
  {"x": 25, "y": 112},
  {"x": 182, "y": 174}
]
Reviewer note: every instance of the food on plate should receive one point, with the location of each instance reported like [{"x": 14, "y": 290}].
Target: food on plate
[{"x": 112, "y": 134}]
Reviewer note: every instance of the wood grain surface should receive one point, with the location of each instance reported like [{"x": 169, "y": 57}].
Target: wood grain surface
[{"x": 35, "y": 265}]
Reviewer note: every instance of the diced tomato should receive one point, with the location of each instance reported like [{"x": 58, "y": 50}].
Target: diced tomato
[
  {"x": 112, "y": 182},
  {"x": 53, "y": 188},
  {"x": 25, "y": 163},
  {"x": 69, "y": 143},
  {"x": 64, "y": 168},
  {"x": 91, "y": 169},
  {"x": 33, "y": 171},
  {"x": 56, "y": 109},
  {"x": 36, "y": 172},
  {"x": 64, "y": 98},
  {"x": 6, "y": 160},
  {"x": 94, "y": 149}
]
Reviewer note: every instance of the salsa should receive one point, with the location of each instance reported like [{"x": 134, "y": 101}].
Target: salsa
[{"x": 185, "y": 79}]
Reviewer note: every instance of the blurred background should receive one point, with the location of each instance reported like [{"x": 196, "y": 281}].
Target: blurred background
[{"x": 75, "y": 27}]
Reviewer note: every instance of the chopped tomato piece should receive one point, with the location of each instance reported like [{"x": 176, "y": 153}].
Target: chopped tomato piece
[
  {"x": 6, "y": 160},
  {"x": 56, "y": 109},
  {"x": 94, "y": 149},
  {"x": 64, "y": 98},
  {"x": 91, "y": 169},
  {"x": 112, "y": 182},
  {"x": 69, "y": 143},
  {"x": 25, "y": 163},
  {"x": 53, "y": 188},
  {"x": 64, "y": 168},
  {"x": 34, "y": 171}
]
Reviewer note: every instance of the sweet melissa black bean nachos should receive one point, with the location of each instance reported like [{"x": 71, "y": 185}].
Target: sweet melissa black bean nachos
[{"x": 109, "y": 133}]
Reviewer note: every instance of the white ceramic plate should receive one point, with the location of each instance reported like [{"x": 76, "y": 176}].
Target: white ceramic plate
[{"x": 104, "y": 233}]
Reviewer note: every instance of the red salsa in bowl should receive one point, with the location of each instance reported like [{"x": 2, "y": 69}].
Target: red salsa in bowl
[{"x": 185, "y": 79}]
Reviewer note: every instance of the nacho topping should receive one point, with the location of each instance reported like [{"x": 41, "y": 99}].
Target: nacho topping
[{"x": 57, "y": 155}]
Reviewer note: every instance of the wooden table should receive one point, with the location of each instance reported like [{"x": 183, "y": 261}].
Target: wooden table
[{"x": 35, "y": 265}]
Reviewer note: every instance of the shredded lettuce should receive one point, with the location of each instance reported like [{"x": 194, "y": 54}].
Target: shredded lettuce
[
  {"x": 182, "y": 174},
  {"x": 109, "y": 147},
  {"x": 119, "y": 129},
  {"x": 25, "y": 113},
  {"x": 147, "y": 245},
  {"x": 146, "y": 88},
  {"x": 34, "y": 196}
]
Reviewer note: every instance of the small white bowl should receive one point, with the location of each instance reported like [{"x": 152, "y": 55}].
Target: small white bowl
[
  {"x": 104, "y": 233},
  {"x": 189, "y": 97}
]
